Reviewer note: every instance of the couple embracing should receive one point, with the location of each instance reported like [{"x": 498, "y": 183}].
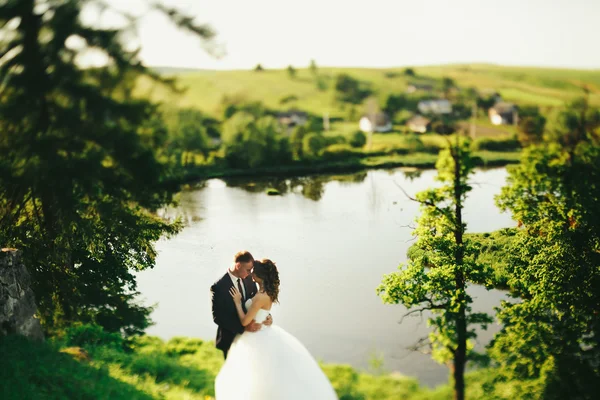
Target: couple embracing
[{"x": 262, "y": 361}]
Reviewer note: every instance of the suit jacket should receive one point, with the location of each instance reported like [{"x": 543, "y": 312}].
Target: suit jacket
[{"x": 224, "y": 312}]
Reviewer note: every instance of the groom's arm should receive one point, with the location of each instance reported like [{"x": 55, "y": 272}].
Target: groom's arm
[{"x": 219, "y": 312}]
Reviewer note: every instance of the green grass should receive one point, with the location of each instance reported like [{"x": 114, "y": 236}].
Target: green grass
[
  {"x": 538, "y": 86},
  {"x": 105, "y": 367}
]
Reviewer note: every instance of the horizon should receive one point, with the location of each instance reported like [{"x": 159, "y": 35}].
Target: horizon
[
  {"x": 378, "y": 34},
  {"x": 465, "y": 64}
]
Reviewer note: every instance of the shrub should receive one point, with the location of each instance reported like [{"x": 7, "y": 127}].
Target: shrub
[
  {"x": 496, "y": 144},
  {"x": 358, "y": 139},
  {"x": 87, "y": 335}
]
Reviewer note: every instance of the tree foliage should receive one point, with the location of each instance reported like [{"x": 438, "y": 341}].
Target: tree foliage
[
  {"x": 350, "y": 90},
  {"x": 531, "y": 125},
  {"x": 79, "y": 178},
  {"x": 435, "y": 280},
  {"x": 253, "y": 142},
  {"x": 553, "y": 332}
]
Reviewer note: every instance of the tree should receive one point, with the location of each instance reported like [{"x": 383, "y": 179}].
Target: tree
[
  {"x": 250, "y": 142},
  {"x": 259, "y": 68},
  {"x": 436, "y": 280},
  {"x": 79, "y": 178},
  {"x": 190, "y": 135},
  {"x": 409, "y": 72},
  {"x": 358, "y": 139},
  {"x": 313, "y": 68},
  {"x": 447, "y": 85},
  {"x": 553, "y": 333},
  {"x": 350, "y": 90},
  {"x": 531, "y": 125},
  {"x": 312, "y": 144},
  {"x": 297, "y": 140},
  {"x": 394, "y": 103},
  {"x": 291, "y": 71}
]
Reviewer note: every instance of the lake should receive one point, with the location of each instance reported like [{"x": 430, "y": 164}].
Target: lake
[{"x": 333, "y": 238}]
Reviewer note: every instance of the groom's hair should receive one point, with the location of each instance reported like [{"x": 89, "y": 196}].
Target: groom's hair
[{"x": 243, "y": 256}]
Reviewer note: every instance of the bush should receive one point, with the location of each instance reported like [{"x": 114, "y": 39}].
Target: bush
[
  {"x": 337, "y": 139},
  {"x": 312, "y": 144},
  {"x": 179, "y": 346},
  {"x": 358, "y": 139},
  {"x": 92, "y": 336},
  {"x": 496, "y": 144}
]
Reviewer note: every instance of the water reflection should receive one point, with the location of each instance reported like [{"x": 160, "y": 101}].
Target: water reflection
[
  {"x": 412, "y": 173},
  {"x": 334, "y": 238},
  {"x": 311, "y": 187}
]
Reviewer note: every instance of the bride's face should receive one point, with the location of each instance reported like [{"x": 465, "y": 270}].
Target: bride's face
[{"x": 256, "y": 278}]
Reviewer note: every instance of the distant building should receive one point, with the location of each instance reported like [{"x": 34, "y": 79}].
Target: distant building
[
  {"x": 419, "y": 124},
  {"x": 438, "y": 106},
  {"x": 423, "y": 87},
  {"x": 292, "y": 118},
  {"x": 379, "y": 122},
  {"x": 503, "y": 113}
]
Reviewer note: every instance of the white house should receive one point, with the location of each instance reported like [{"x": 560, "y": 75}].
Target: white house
[
  {"x": 503, "y": 113},
  {"x": 375, "y": 123},
  {"x": 438, "y": 106},
  {"x": 419, "y": 124}
]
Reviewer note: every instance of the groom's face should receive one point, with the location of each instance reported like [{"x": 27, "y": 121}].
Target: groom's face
[{"x": 244, "y": 269}]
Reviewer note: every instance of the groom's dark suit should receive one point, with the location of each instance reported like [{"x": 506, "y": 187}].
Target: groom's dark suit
[{"x": 224, "y": 312}]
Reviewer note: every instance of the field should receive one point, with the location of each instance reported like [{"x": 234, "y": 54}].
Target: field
[{"x": 537, "y": 86}]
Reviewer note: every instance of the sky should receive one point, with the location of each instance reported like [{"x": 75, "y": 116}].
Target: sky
[{"x": 374, "y": 33}]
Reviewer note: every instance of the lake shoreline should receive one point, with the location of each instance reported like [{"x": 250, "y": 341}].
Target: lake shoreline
[{"x": 417, "y": 161}]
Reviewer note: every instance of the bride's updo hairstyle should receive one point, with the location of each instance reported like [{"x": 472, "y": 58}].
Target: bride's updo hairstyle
[{"x": 266, "y": 270}]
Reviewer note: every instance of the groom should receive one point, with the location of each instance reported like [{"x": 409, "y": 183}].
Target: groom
[{"x": 223, "y": 308}]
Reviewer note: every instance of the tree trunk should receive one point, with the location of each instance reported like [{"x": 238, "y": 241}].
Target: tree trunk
[{"x": 460, "y": 355}]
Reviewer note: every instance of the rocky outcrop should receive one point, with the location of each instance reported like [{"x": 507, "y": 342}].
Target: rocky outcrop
[{"x": 17, "y": 301}]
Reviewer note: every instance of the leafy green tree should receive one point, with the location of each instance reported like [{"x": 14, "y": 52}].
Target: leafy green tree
[
  {"x": 259, "y": 68},
  {"x": 291, "y": 71},
  {"x": 190, "y": 135},
  {"x": 312, "y": 144},
  {"x": 409, "y": 72},
  {"x": 436, "y": 280},
  {"x": 358, "y": 139},
  {"x": 314, "y": 70},
  {"x": 553, "y": 332},
  {"x": 297, "y": 140},
  {"x": 79, "y": 177},
  {"x": 350, "y": 90},
  {"x": 447, "y": 85},
  {"x": 531, "y": 125},
  {"x": 251, "y": 142},
  {"x": 393, "y": 104}
]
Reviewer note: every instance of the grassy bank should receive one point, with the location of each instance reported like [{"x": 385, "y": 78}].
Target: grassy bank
[
  {"x": 91, "y": 364},
  {"x": 353, "y": 164}
]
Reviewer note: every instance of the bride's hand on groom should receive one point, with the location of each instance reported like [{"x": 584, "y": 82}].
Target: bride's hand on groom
[
  {"x": 237, "y": 296},
  {"x": 252, "y": 327}
]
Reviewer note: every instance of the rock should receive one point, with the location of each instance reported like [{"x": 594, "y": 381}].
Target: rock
[{"x": 17, "y": 301}]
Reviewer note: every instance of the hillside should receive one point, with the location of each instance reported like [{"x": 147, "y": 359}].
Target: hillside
[
  {"x": 92, "y": 364},
  {"x": 538, "y": 86}
]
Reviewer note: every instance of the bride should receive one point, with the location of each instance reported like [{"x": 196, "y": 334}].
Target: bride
[{"x": 269, "y": 364}]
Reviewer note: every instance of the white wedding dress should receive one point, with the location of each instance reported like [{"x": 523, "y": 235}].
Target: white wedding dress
[{"x": 270, "y": 364}]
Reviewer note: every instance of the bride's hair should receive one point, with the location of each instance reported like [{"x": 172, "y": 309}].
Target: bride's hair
[{"x": 266, "y": 270}]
